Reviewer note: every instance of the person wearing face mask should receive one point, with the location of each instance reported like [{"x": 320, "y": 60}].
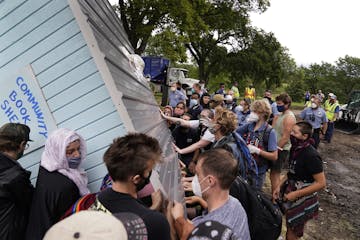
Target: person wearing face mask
[
  {"x": 282, "y": 124},
  {"x": 194, "y": 107},
  {"x": 243, "y": 111},
  {"x": 176, "y": 96},
  {"x": 206, "y": 137},
  {"x": 297, "y": 193},
  {"x": 184, "y": 137},
  {"x": 15, "y": 187},
  {"x": 212, "y": 183},
  {"x": 230, "y": 103},
  {"x": 61, "y": 181},
  {"x": 130, "y": 160},
  {"x": 261, "y": 140},
  {"x": 332, "y": 109},
  {"x": 316, "y": 116}
]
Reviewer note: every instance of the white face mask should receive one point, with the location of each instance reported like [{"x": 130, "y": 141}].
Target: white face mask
[
  {"x": 239, "y": 108},
  {"x": 253, "y": 117},
  {"x": 193, "y": 102},
  {"x": 196, "y": 186},
  {"x": 173, "y": 89},
  {"x": 313, "y": 105}
]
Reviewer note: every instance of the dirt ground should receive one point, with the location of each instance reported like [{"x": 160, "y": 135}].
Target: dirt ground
[{"x": 340, "y": 201}]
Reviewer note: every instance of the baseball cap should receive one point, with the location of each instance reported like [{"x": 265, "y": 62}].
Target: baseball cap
[
  {"x": 89, "y": 225},
  {"x": 331, "y": 95},
  {"x": 218, "y": 97},
  {"x": 211, "y": 230},
  {"x": 15, "y": 131},
  {"x": 98, "y": 225}
]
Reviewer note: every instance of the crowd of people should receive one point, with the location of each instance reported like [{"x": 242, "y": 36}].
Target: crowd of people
[{"x": 204, "y": 129}]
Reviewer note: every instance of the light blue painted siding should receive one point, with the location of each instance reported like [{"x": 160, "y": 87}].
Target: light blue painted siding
[
  {"x": 45, "y": 34},
  {"x": 137, "y": 96}
]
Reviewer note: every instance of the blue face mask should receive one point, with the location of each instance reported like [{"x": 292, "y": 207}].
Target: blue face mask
[
  {"x": 280, "y": 108},
  {"x": 74, "y": 162}
]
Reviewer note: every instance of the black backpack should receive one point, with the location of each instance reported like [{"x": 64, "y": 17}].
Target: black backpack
[{"x": 265, "y": 220}]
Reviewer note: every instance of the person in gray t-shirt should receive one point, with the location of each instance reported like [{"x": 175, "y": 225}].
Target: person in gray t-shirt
[
  {"x": 231, "y": 214},
  {"x": 212, "y": 182}
]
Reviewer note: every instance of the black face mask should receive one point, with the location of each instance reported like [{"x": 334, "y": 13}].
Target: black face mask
[
  {"x": 143, "y": 182},
  {"x": 295, "y": 141}
]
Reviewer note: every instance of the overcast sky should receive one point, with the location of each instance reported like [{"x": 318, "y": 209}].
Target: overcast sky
[{"x": 314, "y": 30}]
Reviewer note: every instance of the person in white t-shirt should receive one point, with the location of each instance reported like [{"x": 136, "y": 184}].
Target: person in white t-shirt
[{"x": 206, "y": 138}]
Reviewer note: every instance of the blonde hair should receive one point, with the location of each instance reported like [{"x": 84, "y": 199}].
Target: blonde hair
[
  {"x": 226, "y": 119},
  {"x": 262, "y": 107}
]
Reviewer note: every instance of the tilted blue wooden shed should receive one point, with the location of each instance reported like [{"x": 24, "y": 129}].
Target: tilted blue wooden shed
[{"x": 64, "y": 64}]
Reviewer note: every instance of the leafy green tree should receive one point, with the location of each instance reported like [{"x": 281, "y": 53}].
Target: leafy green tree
[
  {"x": 262, "y": 60},
  {"x": 214, "y": 25},
  {"x": 167, "y": 44},
  {"x": 296, "y": 87},
  {"x": 141, "y": 17},
  {"x": 347, "y": 75}
]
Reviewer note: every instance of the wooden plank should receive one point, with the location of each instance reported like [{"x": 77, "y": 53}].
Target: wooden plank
[
  {"x": 9, "y": 6},
  {"x": 104, "y": 139},
  {"x": 56, "y": 54},
  {"x": 31, "y": 159},
  {"x": 94, "y": 158},
  {"x": 25, "y": 19},
  {"x": 95, "y": 185},
  {"x": 96, "y": 173},
  {"x": 102, "y": 125},
  {"x": 65, "y": 65},
  {"x": 81, "y": 104},
  {"x": 82, "y": 87},
  {"x": 62, "y": 35},
  {"x": 37, "y": 35},
  {"x": 89, "y": 115}
]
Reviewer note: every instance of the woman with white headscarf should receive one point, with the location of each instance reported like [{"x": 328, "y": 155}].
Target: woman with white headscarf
[{"x": 60, "y": 181}]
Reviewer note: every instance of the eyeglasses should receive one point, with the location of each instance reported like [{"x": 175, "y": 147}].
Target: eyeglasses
[{"x": 27, "y": 146}]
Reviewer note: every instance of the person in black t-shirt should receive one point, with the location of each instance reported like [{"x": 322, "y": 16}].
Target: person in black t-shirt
[
  {"x": 185, "y": 137},
  {"x": 297, "y": 195},
  {"x": 130, "y": 160}
]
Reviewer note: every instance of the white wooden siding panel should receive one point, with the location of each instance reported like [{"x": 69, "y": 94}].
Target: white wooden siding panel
[
  {"x": 65, "y": 48},
  {"x": 42, "y": 47},
  {"x": 82, "y": 87},
  {"x": 82, "y": 71},
  {"x": 81, "y": 104},
  {"x": 24, "y": 44},
  {"x": 36, "y": 11},
  {"x": 64, "y": 66},
  {"x": 89, "y": 115},
  {"x": 9, "y": 6},
  {"x": 19, "y": 11}
]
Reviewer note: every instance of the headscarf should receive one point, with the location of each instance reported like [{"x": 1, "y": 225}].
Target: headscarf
[{"x": 54, "y": 157}]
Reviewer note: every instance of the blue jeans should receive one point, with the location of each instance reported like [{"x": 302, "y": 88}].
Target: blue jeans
[{"x": 329, "y": 131}]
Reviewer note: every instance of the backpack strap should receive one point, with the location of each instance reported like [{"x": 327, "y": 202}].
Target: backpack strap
[
  {"x": 250, "y": 162},
  {"x": 98, "y": 206},
  {"x": 264, "y": 137}
]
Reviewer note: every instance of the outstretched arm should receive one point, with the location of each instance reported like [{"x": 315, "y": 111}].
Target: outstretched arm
[{"x": 199, "y": 144}]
